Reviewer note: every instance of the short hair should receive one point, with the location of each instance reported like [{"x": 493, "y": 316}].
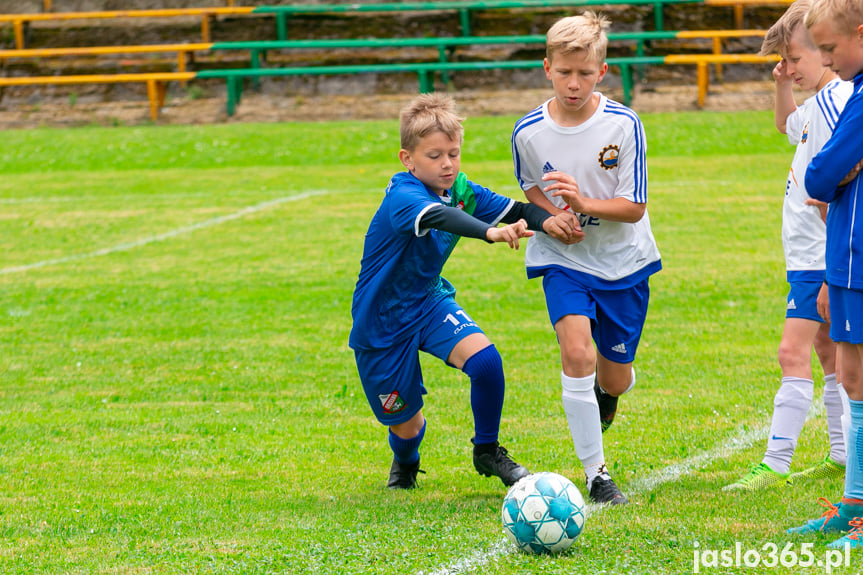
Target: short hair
[
  {"x": 778, "y": 37},
  {"x": 846, "y": 15},
  {"x": 583, "y": 32},
  {"x": 426, "y": 114}
]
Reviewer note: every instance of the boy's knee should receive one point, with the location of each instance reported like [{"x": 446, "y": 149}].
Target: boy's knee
[
  {"x": 484, "y": 363},
  {"x": 790, "y": 357},
  {"x": 619, "y": 383}
]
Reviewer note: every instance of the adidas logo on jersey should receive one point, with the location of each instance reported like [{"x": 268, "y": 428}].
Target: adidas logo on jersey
[
  {"x": 791, "y": 304},
  {"x": 619, "y": 348},
  {"x": 548, "y": 168}
]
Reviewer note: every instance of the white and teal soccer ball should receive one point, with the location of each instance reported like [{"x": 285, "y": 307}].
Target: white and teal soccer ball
[{"x": 543, "y": 513}]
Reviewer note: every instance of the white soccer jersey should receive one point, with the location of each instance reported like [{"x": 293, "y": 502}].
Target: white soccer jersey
[
  {"x": 810, "y": 126},
  {"x": 606, "y": 156}
]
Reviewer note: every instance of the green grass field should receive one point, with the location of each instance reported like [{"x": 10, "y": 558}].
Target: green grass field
[{"x": 177, "y": 394}]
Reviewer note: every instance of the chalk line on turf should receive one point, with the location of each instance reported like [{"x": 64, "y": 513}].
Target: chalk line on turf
[
  {"x": 743, "y": 440},
  {"x": 164, "y": 236}
]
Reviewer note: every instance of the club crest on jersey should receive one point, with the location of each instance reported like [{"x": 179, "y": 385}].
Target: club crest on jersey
[
  {"x": 805, "y": 135},
  {"x": 608, "y": 157},
  {"x": 392, "y": 402},
  {"x": 460, "y": 205}
]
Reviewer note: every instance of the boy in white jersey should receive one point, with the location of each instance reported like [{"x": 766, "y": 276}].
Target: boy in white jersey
[
  {"x": 582, "y": 152},
  {"x": 808, "y": 126}
]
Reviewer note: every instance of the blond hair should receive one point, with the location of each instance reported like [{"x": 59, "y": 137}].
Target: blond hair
[
  {"x": 846, "y": 15},
  {"x": 426, "y": 114},
  {"x": 574, "y": 33},
  {"x": 779, "y": 35}
]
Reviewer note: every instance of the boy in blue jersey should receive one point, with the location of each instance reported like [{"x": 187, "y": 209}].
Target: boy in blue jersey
[
  {"x": 582, "y": 153},
  {"x": 834, "y": 177},
  {"x": 808, "y": 126},
  {"x": 402, "y": 305}
]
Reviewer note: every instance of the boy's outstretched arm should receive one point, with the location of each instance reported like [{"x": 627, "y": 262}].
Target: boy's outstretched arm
[
  {"x": 457, "y": 222},
  {"x": 563, "y": 227},
  {"x": 615, "y": 209}
]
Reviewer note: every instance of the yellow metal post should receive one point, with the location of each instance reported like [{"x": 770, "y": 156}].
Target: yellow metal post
[
  {"x": 703, "y": 75},
  {"x": 18, "y": 25}
]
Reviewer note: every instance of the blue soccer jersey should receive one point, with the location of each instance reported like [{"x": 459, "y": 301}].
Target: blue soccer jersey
[
  {"x": 844, "y": 222},
  {"x": 399, "y": 281}
]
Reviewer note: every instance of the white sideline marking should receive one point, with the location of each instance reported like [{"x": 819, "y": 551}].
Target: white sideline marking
[
  {"x": 743, "y": 440},
  {"x": 164, "y": 236}
]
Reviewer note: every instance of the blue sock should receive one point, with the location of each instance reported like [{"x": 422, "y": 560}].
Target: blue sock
[
  {"x": 487, "y": 385},
  {"x": 407, "y": 451},
  {"x": 854, "y": 466}
]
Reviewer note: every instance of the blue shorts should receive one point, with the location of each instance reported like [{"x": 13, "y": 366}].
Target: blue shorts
[
  {"x": 616, "y": 316},
  {"x": 802, "y": 298},
  {"x": 846, "y": 315},
  {"x": 392, "y": 378}
]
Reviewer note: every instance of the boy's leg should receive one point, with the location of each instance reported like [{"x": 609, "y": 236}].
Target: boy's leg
[
  {"x": 852, "y": 501},
  {"x": 835, "y": 398},
  {"x": 836, "y": 406},
  {"x": 405, "y": 440},
  {"x": 581, "y": 408},
  {"x": 459, "y": 341},
  {"x": 612, "y": 380},
  {"x": 620, "y": 316},
  {"x": 845, "y": 313},
  {"x": 392, "y": 382},
  {"x": 794, "y": 396}
]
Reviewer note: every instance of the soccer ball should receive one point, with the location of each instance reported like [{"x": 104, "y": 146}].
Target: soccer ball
[{"x": 543, "y": 513}]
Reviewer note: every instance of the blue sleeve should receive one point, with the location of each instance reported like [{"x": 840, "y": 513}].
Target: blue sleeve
[
  {"x": 406, "y": 203},
  {"x": 839, "y": 155},
  {"x": 490, "y": 207}
]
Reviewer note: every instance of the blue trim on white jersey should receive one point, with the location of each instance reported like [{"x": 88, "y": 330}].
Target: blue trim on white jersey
[
  {"x": 529, "y": 119},
  {"x": 640, "y": 192},
  {"x": 828, "y": 106}
]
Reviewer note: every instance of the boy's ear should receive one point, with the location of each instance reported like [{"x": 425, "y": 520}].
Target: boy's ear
[
  {"x": 602, "y": 71},
  {"x": 405, "y": 159}
]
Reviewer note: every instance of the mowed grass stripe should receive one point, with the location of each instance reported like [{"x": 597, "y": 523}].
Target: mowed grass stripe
[{"x": 163, "y": 236}]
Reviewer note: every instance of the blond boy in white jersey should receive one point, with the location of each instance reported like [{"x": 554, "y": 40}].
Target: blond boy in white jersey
[
  {"x": 808, "y": 126},
  {"x": 580, "y": 151}
]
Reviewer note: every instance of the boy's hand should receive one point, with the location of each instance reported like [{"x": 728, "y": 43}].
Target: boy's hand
[
  {"x": 852, "y": 174},
  {"x": 509, "y": 234},
  {"x": 564, "y": 227},
  {"x": 566, "y": 187},
  {"x": 822, "y": 303},
  {"x": 780, "y": 73},
  {"x": 820, "y": 205}
]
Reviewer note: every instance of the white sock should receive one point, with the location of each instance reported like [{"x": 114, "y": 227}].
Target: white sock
[
  {"x": 582, "y": 415},
  {"x": 790, "y": 407},
  {"x": 833, "y": 406},
  {"x": 846, "y": 414}
]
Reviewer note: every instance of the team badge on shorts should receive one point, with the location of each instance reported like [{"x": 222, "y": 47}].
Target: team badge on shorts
[
  {"x": 392, "y": 402},
  {"x": 608, "y": 157}
]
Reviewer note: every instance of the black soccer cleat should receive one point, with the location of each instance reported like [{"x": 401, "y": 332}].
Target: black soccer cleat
[
  {"x": 607, "y": 406},
  {"x": 403, "y": 476},
  {"x": 492, "y": 459},
  {"x": 604, "y": 490}
]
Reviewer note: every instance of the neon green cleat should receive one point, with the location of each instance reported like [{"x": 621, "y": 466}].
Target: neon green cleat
[
  {"x": 759, "y": 477},
  {"x": 827, "y": 469}
]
